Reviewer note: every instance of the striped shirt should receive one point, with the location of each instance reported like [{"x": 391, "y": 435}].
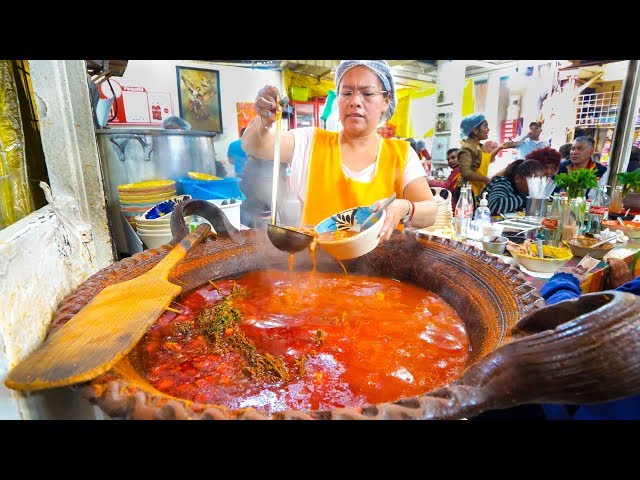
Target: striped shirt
[{"x": 503, "y": 196}]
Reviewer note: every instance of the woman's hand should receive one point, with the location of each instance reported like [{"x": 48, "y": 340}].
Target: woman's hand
[
  {"x": 396, "y": 211},
  {"x": 266, "y": 103}
]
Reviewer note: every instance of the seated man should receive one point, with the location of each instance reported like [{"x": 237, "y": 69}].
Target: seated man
[{"x": 450, "y": 183}]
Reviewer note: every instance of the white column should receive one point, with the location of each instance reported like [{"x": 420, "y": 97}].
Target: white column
[
  {"x": 451, "y": 82},
  {"x": 492, "y": 106},
  {"x": 70, "y": 148}
]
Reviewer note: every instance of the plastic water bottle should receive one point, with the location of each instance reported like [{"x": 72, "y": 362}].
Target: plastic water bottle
[{"x": 482, "y": 216}]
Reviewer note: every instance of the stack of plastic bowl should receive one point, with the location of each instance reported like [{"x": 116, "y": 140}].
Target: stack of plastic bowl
[
  {"x": 137, "y": 198},
  {"x": 153, "y": 226}
]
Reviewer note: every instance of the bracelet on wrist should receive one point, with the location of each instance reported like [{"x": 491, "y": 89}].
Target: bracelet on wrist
[{"x": 412, "y": 208}]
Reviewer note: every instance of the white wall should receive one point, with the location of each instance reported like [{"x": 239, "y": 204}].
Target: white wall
[
  {"x": 237, "y": 84},
  {"x": 43, "y": 260},
  {"x": 45, "y": 255}
]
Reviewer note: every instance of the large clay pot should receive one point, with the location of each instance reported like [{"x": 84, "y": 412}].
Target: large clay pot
[{"x": 510, "y": 364}]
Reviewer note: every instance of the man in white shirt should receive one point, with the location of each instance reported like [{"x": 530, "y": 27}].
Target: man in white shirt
[{"x": 529, "y": 142}]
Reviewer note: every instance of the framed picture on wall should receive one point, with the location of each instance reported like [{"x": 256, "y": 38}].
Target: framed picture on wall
[{"x": 199, "y": 98}]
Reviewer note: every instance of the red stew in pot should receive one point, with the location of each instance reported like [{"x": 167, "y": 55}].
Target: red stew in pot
[{"x": 277, "y": 341}]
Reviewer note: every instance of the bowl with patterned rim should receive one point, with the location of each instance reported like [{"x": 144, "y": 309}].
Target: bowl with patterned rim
[
  {"x": 337, "y": 240},
  {"x": 163, "y": 208}
]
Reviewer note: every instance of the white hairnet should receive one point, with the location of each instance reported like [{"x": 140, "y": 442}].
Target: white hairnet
[
  {"x": 470, "y": 122},
  {"x": 381, "y": 68}
]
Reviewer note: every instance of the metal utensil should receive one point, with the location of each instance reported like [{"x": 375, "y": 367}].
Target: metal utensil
[
  {"x": 283, "y": 238},
  {"x": 359, "y": 227},
  {"x": 621, "y": 222}
]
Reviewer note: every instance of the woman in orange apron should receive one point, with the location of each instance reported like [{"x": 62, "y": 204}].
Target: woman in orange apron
[
  {"x": 333, "y": 171},
  {"x": 474, "y": 161}
]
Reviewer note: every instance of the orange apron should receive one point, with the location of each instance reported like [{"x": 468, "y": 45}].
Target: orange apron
[
  {"x": 483, "y": 169},
  {"x": 328, "y": 189}
]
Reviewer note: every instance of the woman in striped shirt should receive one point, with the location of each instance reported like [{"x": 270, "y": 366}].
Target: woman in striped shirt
[{"x": 508, "y": 193}]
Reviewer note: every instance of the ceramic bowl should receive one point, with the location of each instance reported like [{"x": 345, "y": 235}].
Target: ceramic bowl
[
  {"x": 494, "y": 244},
  {"x": 543, "y": 265},
  {"x": 162, "y": 209},
  {"x": 581, "y": 246},
  {"x": 630, "y": 229},
  {"x": 354, "y": 246},
  {"x": 153, "y": 228},
  {"x": 149, "y": 187},
  {"x": 155, "y": 240}
]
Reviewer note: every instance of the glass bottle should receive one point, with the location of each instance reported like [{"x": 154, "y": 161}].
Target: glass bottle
[
  {"x": 586, "y": 226},
  {"x": 573, "y": 218},
  {"x": 470, "y": 199},
  {"x": 552, "y": 222},
  {"x": 462, "y": 215},
  {"x": 596, "y": 212},
  {"x": 615, "y": 205}
]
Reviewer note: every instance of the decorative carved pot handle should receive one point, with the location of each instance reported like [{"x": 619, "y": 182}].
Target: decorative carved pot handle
[{"x": 589, "y": 353}]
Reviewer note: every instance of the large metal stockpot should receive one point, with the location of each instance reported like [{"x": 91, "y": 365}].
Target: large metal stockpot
[{"x": 135, "y": 155}]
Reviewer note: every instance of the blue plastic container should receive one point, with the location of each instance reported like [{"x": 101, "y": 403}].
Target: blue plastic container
[{"x": 211, "y": 189}]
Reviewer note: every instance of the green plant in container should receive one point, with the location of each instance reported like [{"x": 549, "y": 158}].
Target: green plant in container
[
  {"x": 630, "y": 181},
  {"x": 577, "y": 182}
]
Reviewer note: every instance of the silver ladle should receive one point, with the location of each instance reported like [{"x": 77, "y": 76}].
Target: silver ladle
[{"x": 283, "y": 238}]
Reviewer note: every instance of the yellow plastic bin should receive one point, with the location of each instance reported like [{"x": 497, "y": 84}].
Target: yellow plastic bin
[{"x": 300, "y": 94}]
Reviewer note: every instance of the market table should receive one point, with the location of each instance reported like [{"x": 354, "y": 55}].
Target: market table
[{"x": 596, "y": 278}]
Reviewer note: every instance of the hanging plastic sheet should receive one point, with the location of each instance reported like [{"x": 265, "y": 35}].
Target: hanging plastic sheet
[{"x": 15, "y": 197}]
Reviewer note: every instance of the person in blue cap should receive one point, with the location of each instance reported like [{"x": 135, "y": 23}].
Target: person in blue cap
[
  {"x": 333, "y": 171},
  {"x": 473, "y": 159}
]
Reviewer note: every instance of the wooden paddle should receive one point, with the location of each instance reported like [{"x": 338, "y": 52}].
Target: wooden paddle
[{"x": 106, "y": 329}]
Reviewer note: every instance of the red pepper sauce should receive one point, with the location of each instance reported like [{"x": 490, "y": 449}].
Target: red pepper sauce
[{"x": 364, "y": 340}]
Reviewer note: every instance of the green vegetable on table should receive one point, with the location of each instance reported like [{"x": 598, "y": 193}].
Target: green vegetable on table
[
  {"x": 630, "y": 180},
  {"x": 576, "y": 182}
]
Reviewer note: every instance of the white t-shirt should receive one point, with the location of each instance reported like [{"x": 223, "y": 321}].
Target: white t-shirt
[{"x": 302, "y": 153}]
